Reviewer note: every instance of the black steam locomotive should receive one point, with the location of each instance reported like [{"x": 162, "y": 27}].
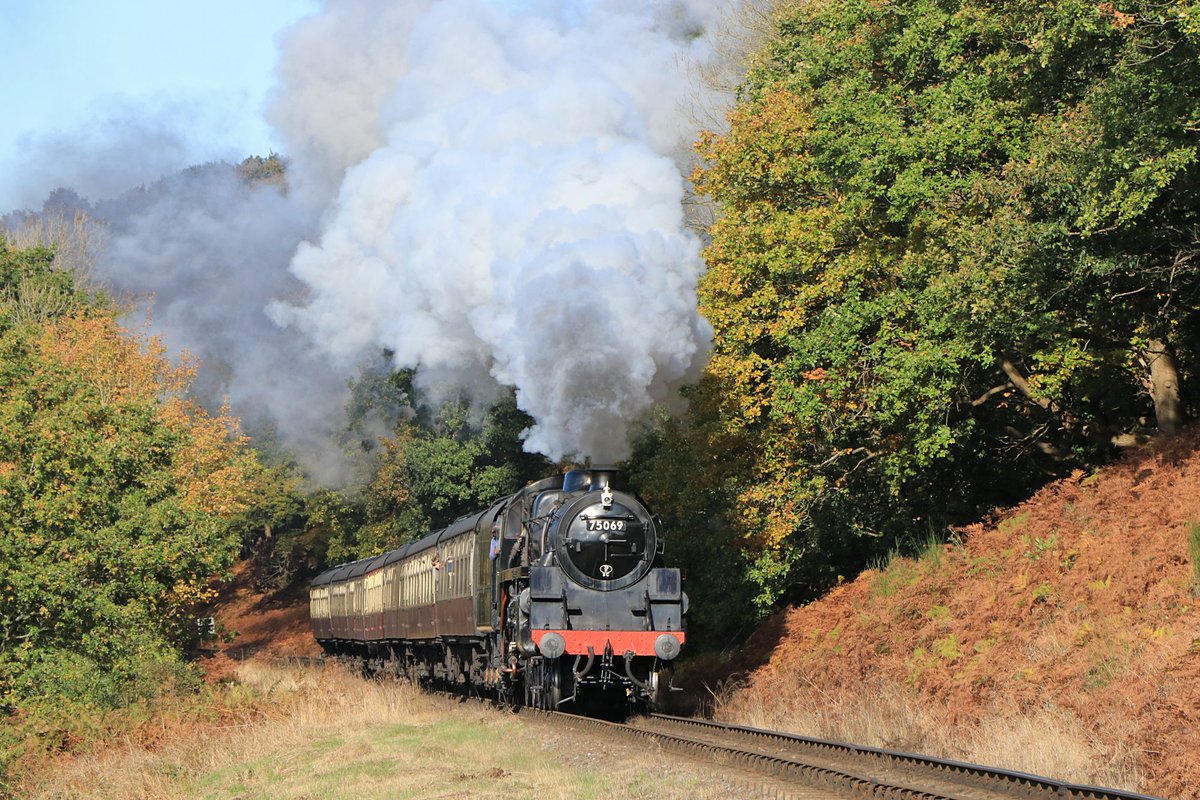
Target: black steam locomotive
[{"x": 553, "y": 596}]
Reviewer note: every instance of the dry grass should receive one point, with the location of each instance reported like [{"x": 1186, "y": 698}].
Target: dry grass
[
  {"x": 304, "y": 733},
  {"x": 1062, "y": 638},
  {"x": 1046, "y": 741},
  {"x": 270, "y": 709}
]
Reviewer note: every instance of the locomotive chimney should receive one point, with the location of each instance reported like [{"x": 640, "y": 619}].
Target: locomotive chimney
[
  {"x": 603, "y": 477},
  {"x": 592, "y": 479}
]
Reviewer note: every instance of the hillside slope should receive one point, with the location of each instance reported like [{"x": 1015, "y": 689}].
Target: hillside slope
[
  {"x": 255, "y": 626},
  {"x": 1062, "y": 638}
]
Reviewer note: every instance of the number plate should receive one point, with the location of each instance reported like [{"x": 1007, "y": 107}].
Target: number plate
[{"x": 615, "y": 525}]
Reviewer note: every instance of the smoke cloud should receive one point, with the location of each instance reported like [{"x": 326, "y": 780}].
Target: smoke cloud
[
  {"x": 125, "y": 143},
  {"x": 210, "y": 251},
  {"x": 490, "y": 191},
  {"x": 502, "y": 202}
]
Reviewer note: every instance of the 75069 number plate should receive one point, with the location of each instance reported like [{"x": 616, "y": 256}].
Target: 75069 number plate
[{"x": 602, "y": 524}]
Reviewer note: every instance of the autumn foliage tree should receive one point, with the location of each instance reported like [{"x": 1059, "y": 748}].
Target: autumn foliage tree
[
  {"x": 955, "y": 257},
  {"x": 116, "y": 496}
]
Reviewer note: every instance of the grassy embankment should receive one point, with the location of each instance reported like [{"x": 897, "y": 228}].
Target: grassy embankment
[{"x": 296, "y": 732}]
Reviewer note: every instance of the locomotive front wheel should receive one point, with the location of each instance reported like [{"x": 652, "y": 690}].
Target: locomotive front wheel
[{"x": 552, "y": 685}]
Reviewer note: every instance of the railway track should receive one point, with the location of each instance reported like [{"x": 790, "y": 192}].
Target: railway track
[{"x": 802, "y": 767}]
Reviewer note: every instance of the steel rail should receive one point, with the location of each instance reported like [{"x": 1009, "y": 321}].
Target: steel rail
[
  {"x": 807, "y": 774},
  {"x": 1009, "y": 783}
]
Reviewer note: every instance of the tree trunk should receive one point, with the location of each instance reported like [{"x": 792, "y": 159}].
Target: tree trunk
[{"x": 1164, "y": 386}]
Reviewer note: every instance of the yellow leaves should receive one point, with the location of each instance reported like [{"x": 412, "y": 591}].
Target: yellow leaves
[
  {"x": 1159, "y": 632},
  {"x": 744, "y": 392},
  {"x": 390, "y": 480},
  {"x": 185, "y": 596},
  {"x": 774, "y": 505},
  {"x": 773, "y": 130},
  {"x": 213, "y": 471}
]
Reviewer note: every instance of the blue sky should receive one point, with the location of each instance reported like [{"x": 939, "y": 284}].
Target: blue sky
[{"x": 73, "y": 69}]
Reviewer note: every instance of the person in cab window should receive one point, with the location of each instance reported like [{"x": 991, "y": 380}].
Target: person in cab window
[{"x": 494, "y": 548}]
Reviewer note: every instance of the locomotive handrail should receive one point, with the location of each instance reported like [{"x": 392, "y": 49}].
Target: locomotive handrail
[{"x": 587, "y": 667}]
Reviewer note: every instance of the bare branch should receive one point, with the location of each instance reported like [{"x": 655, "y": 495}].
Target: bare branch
[
  {"x": 990, "y": 393},
  {"x": 1127, "y": 294},
  {"x": 844, "y": 453},
  {"x": 1022, "y": 386}
]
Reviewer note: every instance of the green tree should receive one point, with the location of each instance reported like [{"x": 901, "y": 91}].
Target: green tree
[
  {"x": 31, "y": 289},
  {"x": 116, "y": 500},
  {"x": 684, "y": 469},
  {"x": 956, "y": 243},
  {"x": 271, "y": 170},
  {"x": 437, "y": 465}
]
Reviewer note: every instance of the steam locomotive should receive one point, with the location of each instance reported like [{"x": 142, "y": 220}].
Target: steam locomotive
[{"x": 553, "y": 596}]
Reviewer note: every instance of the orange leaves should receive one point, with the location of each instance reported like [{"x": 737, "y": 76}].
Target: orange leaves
[
  {"x": 1120, "y": 20},
  {"x": 817, "y": 375},
  {"x": 213, "y": 471},
  {"x": 117, "y": 367}
]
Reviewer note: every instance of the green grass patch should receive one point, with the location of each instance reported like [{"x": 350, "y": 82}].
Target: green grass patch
[
  {"x": 947, "y": 647},
  {"x": 932, "y": 551},
  {"x": 1013, "y": 523},
  {"x": 480, "y": 757},
  {"x": 919, "y": 662},
  {"x": 1102, "y": 672},
  {"x": 1044, "y": 593},
  {"x": 1194, "y": 554},
  {"x": 985, "y": 566},
  {"x": 983, "y": 646},
  {"x": 899, "y": 574},
  {"x": 939, "y": 614},
  {"x": 1037, "y": 547}
]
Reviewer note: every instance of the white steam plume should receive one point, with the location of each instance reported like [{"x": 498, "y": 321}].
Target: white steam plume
[
  {"x": 492, "y": 190},
  {"x": 501, "y": 198}
]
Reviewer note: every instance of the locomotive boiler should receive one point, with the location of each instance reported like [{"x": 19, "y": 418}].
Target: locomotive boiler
[{"x": 553, "y": 596}]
